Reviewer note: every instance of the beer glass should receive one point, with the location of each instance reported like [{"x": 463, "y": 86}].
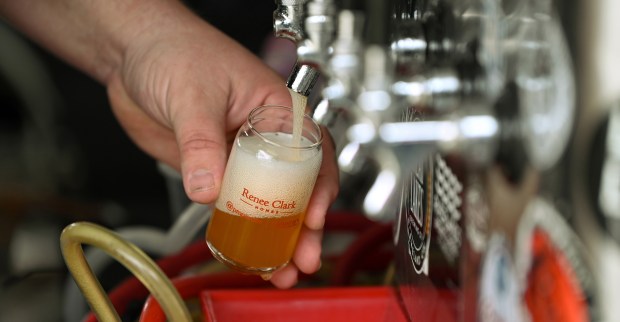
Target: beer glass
[{"x": 265, "y": 191}]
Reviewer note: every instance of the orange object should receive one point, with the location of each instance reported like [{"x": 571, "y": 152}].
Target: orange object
[
  {"x": 553, "y": 293},
  {"x": 360, "y": 304},
  {"x": 192, "y": 286},
  {"x": 353, "y": 260}
]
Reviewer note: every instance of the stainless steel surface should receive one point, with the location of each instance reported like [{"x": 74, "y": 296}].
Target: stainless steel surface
[
  {"x": 302, "y": 79},
  {"x": 597, "y": 48},
  {"x": 455, "y": 60},
  {"x": 288, "y": 19},
  {"x": 393, "y": 106},
  {"x": 488, "y": 85},
  {"x": 310, "y": 25}
]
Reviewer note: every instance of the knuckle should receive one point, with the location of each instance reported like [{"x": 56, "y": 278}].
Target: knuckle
[{"x": 198, "y": 142}]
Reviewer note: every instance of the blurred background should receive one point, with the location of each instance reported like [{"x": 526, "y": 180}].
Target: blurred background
[{"x": 64, "y": 158}]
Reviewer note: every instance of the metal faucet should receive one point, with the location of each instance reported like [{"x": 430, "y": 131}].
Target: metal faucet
[
  {"x": 371, "y": 88},
  {"x": 288, "y": 19},
  {"x": 310, "y": 25},
  {"x": 443, "y": 80},
  {"x": 448, "y": 61}
]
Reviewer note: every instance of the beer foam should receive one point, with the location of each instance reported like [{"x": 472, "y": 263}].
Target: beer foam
[
  {"x": 263, "y": 180},
  {"x": 281, "y": 146}
]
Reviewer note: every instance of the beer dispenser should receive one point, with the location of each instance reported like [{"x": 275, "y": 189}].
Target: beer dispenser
[{"x": 448, "y": 114}]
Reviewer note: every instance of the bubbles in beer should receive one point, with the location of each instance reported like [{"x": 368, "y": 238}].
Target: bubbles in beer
[
  {"x": 266, "y": 188},
  {"x": 259, "y": 174},
  {"x": 299, "y": 106}
]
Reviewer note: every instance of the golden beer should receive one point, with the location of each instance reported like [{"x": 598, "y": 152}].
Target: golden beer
[
  {"x": 273, "y": 239},
  {"x": 264, "y": 196}
]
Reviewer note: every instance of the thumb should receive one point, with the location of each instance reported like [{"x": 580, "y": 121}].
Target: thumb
[{"x": 201, "y": 136}]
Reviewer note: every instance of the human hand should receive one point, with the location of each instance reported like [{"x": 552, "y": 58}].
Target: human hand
[
  {"x": 308, "y": 252},
  {"x": 181, "y": 93}
]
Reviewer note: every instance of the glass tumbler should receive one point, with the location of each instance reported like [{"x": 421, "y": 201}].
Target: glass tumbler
[{"x": 266, "y": 188}]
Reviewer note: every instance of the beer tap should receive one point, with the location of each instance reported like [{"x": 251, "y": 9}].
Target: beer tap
[
  {"x": 377, "y": 131},
  {"x": 288, "y": 19},
  {"x": 310, "y": 25},
  {"x": 375, "y": 103},
  {"x": 446, "y": 59},
  {"x": 357, "y": 100},
  {"x": 543, "y": 73},
  {"x": 418, "y": 88}
]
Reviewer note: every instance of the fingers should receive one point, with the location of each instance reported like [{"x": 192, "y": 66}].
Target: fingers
[
  {"x": 197, "y": 143},
  {"x": 201, "y": 135},
  {"x": 141, "y": 128},
  {"x": 307, "y": 259},
  {"x": 326, "y": 186},
  {"x": 285, "y": 277},
  {"x": 307, "y": 256}
]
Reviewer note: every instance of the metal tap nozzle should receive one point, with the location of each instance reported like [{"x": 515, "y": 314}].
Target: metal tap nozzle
[
  {"x": 320, "y": 30},
  {"x": 289, "y": 19},
  {"x": 311, "y": 31},
  {"x": 302, "y": 79}
]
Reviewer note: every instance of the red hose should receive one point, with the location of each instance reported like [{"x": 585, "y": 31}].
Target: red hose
[
  {"x": 132, "y": 290},
  {"x": 366, "y": 247},
  {"x": 347, "y": 221},
  {"x": 372, "y": 235},
  {"x": 190, "y": 287}
]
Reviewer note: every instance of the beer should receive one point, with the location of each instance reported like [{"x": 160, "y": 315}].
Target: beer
[
  {"x": 267, "y": 234},
  {"x": 263, "y": 199},
  {"x": 299, "y": 107}
]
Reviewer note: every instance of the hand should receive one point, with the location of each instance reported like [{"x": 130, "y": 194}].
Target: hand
[
  {"x": 307, "y": 256},
  {"x": 181, "y": 93}
]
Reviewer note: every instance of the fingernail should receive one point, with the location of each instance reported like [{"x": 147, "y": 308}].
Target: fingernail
[{"x": 201, "y": 180}]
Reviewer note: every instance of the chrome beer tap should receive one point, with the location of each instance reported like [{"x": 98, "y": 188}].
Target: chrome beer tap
[
  {"x": 448, "y": 59},
  {"x": 310, "y": 25},
  {"x": 374, "y": 86},
  {"x": 445, "y": 103},
  {"x": 288, "y": 19},
  {"x": 357, "y": 100},
  {"x": 367, "y": 95}
]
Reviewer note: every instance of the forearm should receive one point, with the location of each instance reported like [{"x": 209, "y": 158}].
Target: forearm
[{"x": 92, "y": 35}]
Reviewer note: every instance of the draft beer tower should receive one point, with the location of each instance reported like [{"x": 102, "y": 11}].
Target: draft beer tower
[{"x": 450, "y": 114}]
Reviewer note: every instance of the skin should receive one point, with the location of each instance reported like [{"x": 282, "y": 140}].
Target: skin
[{"x": 179, "y": 87}]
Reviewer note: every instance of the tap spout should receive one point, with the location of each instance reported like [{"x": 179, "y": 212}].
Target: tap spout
[
  {"x": 302, "y": 79},
  {"x": 288, "y": 19}
]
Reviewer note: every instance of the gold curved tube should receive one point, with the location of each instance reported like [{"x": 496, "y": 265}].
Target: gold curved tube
[{"x": 130, "y": 256}]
